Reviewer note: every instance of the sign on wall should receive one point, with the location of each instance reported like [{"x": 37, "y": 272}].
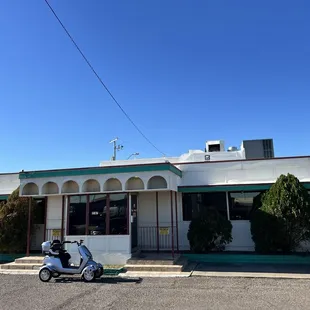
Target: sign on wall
[
  {"x": 56, "y": 233},
  {"x": 164, "y": 230}
]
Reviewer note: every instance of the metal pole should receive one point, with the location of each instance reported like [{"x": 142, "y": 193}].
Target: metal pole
[
  {"x": 45, "y": 217},
  {"x": 176, "y": 219},
  {"x": 62, "y": 218},
  {"x": 68, "y": 216},
  {"x": 87, "y": 216},
  {"x": 107, "y": 216},
  {"x": 172, "y": 233},
  {"x": 157, "y": 222},
  {"x": 128, "y": 213},
  {"x": 29, "y": 227},
  {"x": 114, "y": 153}
]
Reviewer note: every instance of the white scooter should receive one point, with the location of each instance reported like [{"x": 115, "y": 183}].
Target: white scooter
[{"x": 56, "y": 262}]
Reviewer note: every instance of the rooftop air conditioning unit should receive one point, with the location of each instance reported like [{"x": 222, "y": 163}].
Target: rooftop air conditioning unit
[
  {"x": 215, "y": 146},
  {"x": 232, "y": 149}
]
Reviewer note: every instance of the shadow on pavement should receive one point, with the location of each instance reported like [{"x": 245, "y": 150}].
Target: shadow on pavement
[
  {"x": 103, "y": 280},
  {"x": 259, "y": 268}
]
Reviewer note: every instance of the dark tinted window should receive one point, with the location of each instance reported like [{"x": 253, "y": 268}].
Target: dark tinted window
[
  {"x": 194, "y": 203},
  {"x": 77, "y": 215},
  {"x": 118, "y": 214},
  {"x": 97, "y": 214},
  {"x": 241, "y": 204}
]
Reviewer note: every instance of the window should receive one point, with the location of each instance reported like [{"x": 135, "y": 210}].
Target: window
[
  {"x": 77, "y": 215},
  {"x": 241, "y": 204},
  {"x": 39, "y": 211},
  {"x": 191, "y": 205},
  {"x": 118, "y": 214},
  {"x": 194, "y": 203},
  {"x": 97, "y": 214},
  {"x": 216, "y": 200}
]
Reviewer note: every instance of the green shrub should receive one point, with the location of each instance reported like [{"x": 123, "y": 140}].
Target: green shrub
[
  {"x": 14, "y": 224},
  {"x": 209, "y": 232},
  {"x": 283, "y": 221}
]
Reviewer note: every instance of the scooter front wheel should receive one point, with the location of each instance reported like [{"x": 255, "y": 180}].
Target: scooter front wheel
[
  {"x": 88, "y": 275},
  {"x": 45, "y": 275}
]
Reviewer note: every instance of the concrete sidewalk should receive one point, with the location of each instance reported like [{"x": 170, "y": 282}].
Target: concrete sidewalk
[
  {"x": 251, "y": 271},
  {"x": 212, "y": 270},
  {"x": 250, "y": 275}
]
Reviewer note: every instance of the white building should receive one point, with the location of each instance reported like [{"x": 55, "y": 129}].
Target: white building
[{"x": 148, "y": 203}]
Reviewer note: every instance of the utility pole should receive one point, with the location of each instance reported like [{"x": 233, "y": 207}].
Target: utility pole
[{"x": 116, "y": 147}]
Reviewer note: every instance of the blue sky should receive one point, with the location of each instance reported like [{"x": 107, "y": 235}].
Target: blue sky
[{"x": 185, "y": 71}]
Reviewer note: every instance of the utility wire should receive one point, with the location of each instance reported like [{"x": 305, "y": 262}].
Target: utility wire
[{"x": 101, "y": 82}]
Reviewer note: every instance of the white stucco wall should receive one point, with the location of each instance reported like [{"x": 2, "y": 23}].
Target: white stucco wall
[
  {"x": 244, "y": 172},
  {"x": 112, "y": 250},
  {"x": 147, "y": 218},
  {"x": 170, "y": 178},
  {"x": 53, "y": 216},
  {"x": 147, "y": 209},
  {"x": 242, "y": 238}
]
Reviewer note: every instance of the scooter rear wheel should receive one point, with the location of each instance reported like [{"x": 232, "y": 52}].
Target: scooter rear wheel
[{"x": 45, "y": 275}]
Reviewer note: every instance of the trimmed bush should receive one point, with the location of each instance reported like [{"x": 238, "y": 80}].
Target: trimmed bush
[
  {"x": 211, "y": 231},
  {"x": 14, "y": 224},
  {"x": 283, "y": 220}
]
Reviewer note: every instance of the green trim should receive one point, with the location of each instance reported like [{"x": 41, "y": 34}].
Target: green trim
[
  {"x": 4, "y": 197},
  {"x": 176, "y": 171},
  {"x": 100, "y": 170},
  {"x": 228, "y": 188},
  {"x": 250, "y": 258},
  {"x": 220, "y": 188}
]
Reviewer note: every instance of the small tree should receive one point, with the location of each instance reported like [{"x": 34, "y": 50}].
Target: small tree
[
  {"x": 283, "y": 221},
  {"x": 209, "y": 231},
  {"x": 14, "y": 223}
]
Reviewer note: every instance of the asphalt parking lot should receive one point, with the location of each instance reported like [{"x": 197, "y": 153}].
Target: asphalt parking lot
[{"x": 27, "y": 292}]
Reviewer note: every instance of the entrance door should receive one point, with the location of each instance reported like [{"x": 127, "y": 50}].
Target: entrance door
[
  {"x": 134, "y": 221},
  {"x": 37, "y": 234}
]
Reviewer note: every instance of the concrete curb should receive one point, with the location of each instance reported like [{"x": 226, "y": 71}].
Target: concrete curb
[
  {"x": 153, "y": 274},
  {"x": 19, "y": 272},
  {"x": 251, "y": 275}
]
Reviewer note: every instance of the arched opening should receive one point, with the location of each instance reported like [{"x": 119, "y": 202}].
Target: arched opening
[
  {"x": 91, "y": 186},
  {"x": 134, "y": 183},
  {"x": 157, "y": 182},
  {"x": 50, "y": 188},
  {"x": 70, "y": 187},
  {"x": 112, "y": 184},
  {"x": 30, "y": 189}
]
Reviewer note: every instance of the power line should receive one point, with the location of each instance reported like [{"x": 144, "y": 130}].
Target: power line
[{"x": 101, "y": 82}]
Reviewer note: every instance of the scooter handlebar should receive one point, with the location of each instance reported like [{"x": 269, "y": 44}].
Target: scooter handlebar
[{"x": 78, "y": 242}]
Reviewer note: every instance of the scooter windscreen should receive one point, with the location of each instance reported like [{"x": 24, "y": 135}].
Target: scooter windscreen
[{"x": 86, "y": 251}]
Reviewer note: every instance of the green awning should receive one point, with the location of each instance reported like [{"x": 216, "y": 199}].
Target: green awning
[
  {"x": 228, "y": 188},
  {"x": 101, "y": 170}
]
